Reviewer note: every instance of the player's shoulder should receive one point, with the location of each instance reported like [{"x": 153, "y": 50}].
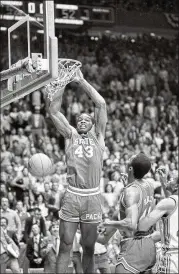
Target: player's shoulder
[
  {"x": 73, "y": 132},
  {"x": 98, "y": 138}
]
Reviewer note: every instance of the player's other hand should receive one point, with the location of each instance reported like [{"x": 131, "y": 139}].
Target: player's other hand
[
  {"x": 78, "y": 76},
  {"x": 106, "y": 222}
]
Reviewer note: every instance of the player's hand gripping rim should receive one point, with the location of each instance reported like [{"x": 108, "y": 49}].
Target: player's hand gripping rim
[{"x": 79, "y": 76}]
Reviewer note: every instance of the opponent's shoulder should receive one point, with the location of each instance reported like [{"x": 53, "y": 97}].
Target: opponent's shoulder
[{"x": 131, "y": 195}]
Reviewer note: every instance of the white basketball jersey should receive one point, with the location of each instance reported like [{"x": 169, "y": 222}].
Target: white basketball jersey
[{"x": 169, "y": 227}]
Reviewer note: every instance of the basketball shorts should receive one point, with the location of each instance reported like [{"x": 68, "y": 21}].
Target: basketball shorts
[
  {"x": 81, "y": 205},
  {"x": 137, "y": 255},
  {"x": 168, "y": 262}
]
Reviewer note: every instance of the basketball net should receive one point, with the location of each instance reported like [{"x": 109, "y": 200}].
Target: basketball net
[{"x": 67, "y": 69}]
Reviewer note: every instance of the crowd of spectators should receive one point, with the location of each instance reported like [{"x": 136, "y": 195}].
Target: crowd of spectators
[
  {"x": 138, "y": 79},
  {"x": 136, "y": 5}
]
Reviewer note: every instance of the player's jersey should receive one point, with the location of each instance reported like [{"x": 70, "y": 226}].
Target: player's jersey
[
  {"x": 84, "y": 157},
  {"x": 169, "y": 227},
  {"x": 146, "y": 200}
]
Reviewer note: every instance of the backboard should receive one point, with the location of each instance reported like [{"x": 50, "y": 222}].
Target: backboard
[{"x": 36, "y": 42}]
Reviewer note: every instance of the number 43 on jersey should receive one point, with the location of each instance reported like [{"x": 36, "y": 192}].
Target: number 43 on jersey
[{"x": 80, "y": 152}]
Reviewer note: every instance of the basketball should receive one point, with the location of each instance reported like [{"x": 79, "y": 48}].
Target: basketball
[{"x": 40, "y": 165}]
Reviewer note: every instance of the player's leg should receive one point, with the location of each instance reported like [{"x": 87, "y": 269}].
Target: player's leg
[
  {"x": 67, "y": 234},
  {"x": 91, "y": 215},
  {"x": 69, "y": 215},
  {"x": 89, "y": 237}
]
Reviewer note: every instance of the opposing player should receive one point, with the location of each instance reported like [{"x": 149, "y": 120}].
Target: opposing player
[
  {"x": 167, "y": 211},
  {"x": 84, "y": 148},
  {"x": 138, "y": 251}
]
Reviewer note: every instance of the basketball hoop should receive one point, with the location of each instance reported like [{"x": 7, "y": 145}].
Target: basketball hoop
[{"x": 66, "y": 74}]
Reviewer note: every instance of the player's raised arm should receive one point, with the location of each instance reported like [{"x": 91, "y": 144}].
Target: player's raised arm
[
  {"x": 165, "y": 206},
  {"x": 98, "y": 100},
  {"x": 53, "y": 108}
]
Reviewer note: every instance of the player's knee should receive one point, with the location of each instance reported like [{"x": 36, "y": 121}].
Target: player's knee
[
  {"x": 88, "y": 248},
  {"x": 66, "y": 244}
]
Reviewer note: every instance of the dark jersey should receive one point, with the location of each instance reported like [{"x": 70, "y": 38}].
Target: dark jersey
[{"x": 84, "y": 158}]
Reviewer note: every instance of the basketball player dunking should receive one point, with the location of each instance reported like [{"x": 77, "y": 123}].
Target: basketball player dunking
[
  {"x": 84, "y": 148},
  {"x": 167, "y": 211},
  {"x": 138, "y": 251}
]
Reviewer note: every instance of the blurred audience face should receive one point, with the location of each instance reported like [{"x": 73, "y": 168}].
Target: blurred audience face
[
  {"x": 55, "y": 230},
  {"x": 55, "y": 186},
  {"x": 37, "y": 214},
  {"x": 3, "y": 223},
  {"x": 15, "y": 144},
  {"x": 2, "y": 188},
  {"x": 3, "y": 148},
  {"x": 19, "y": 206},
  {"x": 40, "y": 199},
  {"x": 109, "y": 188},
  {"x": 35, "y": 229},
  {"x": 20, "y": 131},
  {"x": 13, "y": 131},
  {"x": 4, "y": 203},
  {"x": 47, "y": 186}
]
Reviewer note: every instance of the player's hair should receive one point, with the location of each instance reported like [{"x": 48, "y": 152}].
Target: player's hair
[
  {"x": 141, "y": 165},
  {"x": 90, "y": 116},
  {"x": 4, "y": 218}
]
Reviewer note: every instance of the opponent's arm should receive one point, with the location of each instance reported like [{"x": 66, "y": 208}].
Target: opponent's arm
[
  {"x": 57, "y": 117},
  {"x": 98, "y": 100},
  {"x": 131, "y": 199},
  {"x": 165, "y": 206},
  {"x": 104, "y": 237}
]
